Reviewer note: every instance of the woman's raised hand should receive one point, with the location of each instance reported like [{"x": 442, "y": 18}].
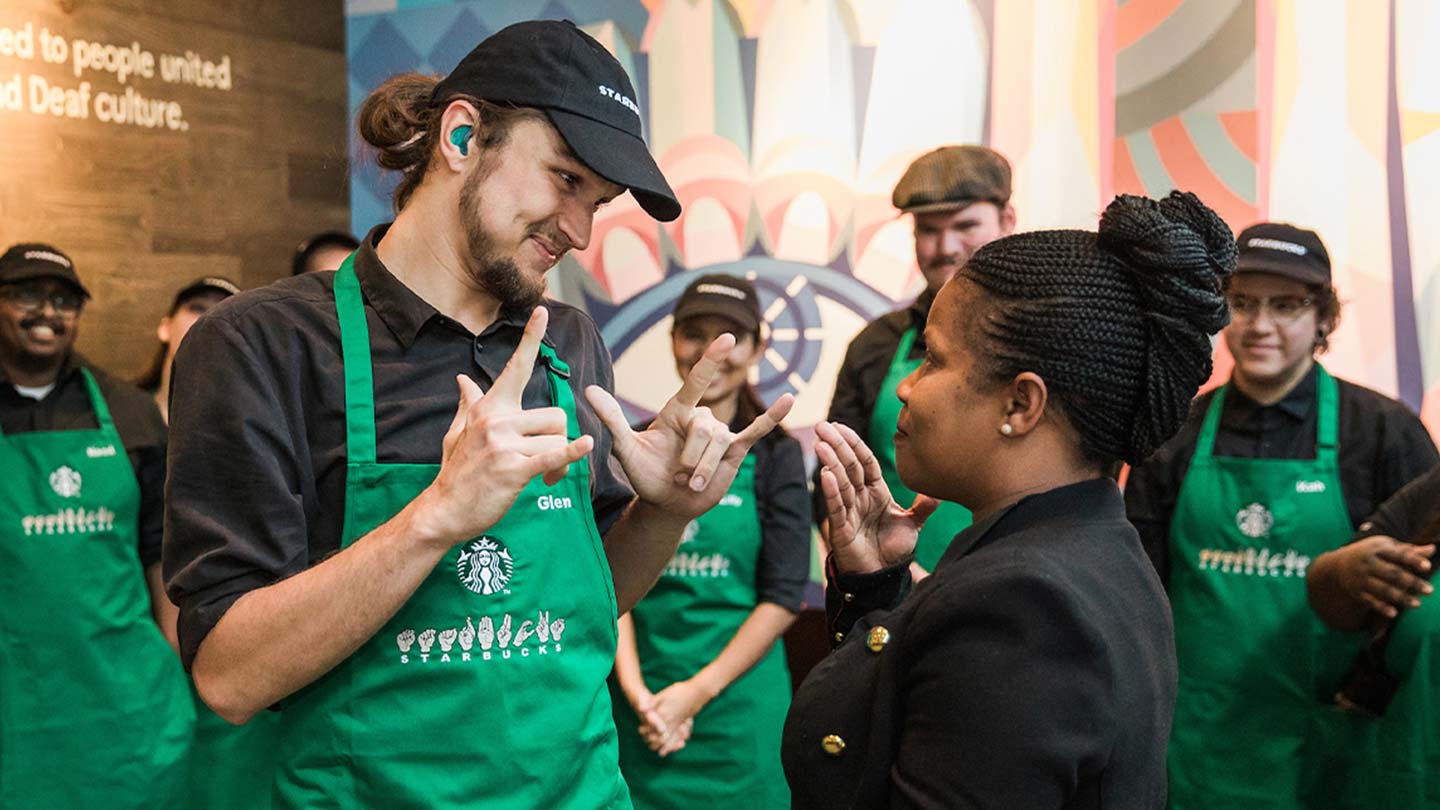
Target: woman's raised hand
[{"x": 868, "y": 530}]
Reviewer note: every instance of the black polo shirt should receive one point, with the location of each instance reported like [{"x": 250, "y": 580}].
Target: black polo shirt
[
  {"x": 257, "y": 423},
  {"x": 867, "y": 361},
  {"x": 137, "y": 420},
  {"x": 1382, "y": 446}
]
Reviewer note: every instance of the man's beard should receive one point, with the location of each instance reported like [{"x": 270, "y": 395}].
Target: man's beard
[{"x": 496, "y": 274}]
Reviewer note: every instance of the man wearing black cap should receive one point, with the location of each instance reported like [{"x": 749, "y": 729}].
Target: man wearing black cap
[
  {"x": 1272, "y": 469},
  {"x": 425, "y": 591},
  {"x": 959, "y": 197},
  {"x": 93, "y": 707}
]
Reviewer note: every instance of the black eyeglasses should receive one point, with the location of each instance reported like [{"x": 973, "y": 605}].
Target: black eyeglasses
[{"x": 30, "y": 297}]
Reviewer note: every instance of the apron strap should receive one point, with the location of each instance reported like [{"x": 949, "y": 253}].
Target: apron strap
[
  {"x": 558, "y": 371},
  {"x": 1327, "y": 417},
  {"x": 360, "y": 382},
  {"x": 355, "y": 353},
  {"x": 1205, "y": 444},
  {"x": 902, "y": 352}
]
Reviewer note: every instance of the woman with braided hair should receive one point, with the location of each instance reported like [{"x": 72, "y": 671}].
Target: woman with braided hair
[{"x": 1035, "y": 667}]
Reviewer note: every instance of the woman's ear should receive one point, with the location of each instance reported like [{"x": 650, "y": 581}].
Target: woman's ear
[
  {"x": 163, "y": 330},
  {"x": 1028, "y": 398}
]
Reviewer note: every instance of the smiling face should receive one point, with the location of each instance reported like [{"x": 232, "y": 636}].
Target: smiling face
[
  {"x": 523, "y": 205},
  {"x": 39, "y": 320},
  {"x": 945, "y": 240},
  {"x": 692, "y": 336},
  {"x": 1274, "y": 343}
]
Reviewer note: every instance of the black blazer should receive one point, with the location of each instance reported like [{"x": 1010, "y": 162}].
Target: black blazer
[{"x": 1034, "y": 669}]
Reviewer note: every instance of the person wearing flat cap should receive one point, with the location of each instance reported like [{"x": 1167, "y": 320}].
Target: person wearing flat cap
[
  {"x": 94, "y": 711},
  {"x": 701, "y": 685},
  {"x": 1271, "y": 470},
  {"x": 425, "y": 578},
  {"x": 959, "y": 198}
]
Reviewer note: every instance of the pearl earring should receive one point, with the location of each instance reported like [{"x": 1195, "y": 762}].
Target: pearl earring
[{"x": 1006, "y": 429}]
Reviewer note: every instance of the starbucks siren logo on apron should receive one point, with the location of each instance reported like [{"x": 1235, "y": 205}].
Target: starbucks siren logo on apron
[
  {"x": 1254, "y": 520},
  {"x": 485, "y": 566},
  {"x": 65, "y": 482}
]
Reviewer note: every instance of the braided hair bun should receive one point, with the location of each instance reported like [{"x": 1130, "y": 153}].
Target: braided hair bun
[{"x": 1117, "y": 323}]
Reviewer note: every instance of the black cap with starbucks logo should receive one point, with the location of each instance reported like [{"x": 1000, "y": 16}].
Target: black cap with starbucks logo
[
  {"x": 581, "y": 88},
  {"x": 33, "y": 260}
]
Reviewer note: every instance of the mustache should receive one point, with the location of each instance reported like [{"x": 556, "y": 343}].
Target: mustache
[
  {"x": 554, "y": 237},
  {"x": 40, "y": 320}
]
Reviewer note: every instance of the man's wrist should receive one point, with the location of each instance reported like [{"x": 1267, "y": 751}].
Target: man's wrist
[
  {"x": 424, "y": 522},
  {"x": 658, "y": 519}
]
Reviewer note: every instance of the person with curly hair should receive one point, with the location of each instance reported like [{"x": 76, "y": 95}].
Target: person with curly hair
[{"x": 1272, "y": 469}]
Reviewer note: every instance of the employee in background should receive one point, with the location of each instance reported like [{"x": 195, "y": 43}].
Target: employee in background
[
  {"x": 230, "y": 766},
  {"x": 702, "y": 682},
  {"x": 323, "y": 251},
  {"x": 1271, "y": 470},
  {"x": 959, "y": 198},
  {"x": 93, "y": 706},
  {"x": 192, "y": 301}
]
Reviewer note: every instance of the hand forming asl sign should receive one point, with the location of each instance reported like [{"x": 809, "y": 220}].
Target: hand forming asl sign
[
  {"x": 687, "y": 459},
  {"x": 495, "y": 446},
  {"x": 868, "y": 530}
]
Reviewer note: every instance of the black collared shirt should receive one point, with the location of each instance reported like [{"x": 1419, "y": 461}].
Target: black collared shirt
[
  {"x": 257, "y": 423},
  {"x": 1382, "y": 446},
  {"x": 867, "y": 361},
  {"x": 1409, "y": 513},
  {"x": 137, "y": 420}
]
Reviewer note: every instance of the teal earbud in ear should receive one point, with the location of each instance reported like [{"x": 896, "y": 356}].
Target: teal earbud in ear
[{"x": 461, "y": 138}]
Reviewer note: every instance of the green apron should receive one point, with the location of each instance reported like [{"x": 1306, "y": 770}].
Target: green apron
[
  {"x": 733, "y": 756},
  {"x": 231, "y": 768},
  {"x": 951, "y": 518},
  {"x": 1255, "y": 725},
  {"x": 94, "y": 712},
  {"x": 487, "y": 688}
]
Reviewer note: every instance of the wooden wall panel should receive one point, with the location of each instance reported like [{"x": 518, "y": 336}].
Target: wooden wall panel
[{"x": 144, "y": 211}]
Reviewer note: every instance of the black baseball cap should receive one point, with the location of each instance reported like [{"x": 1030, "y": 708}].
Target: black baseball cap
[
  {"x": 561, "y": 70},
  {"x": 1282, "y": 249},
  {"x": 32, "y": 260},
  {"x": 727, "y": 296},
  {"x": 205, "y": 285}
]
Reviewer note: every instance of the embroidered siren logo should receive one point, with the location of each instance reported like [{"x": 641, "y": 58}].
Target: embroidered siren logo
[
  {"x": 1254, "y": 520},
  {"x": 65, "y": 482},
  {"x": 485, "y": 566}
]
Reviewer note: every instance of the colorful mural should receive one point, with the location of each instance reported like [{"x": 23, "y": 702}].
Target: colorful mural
[{"x": 783, "y": 125}]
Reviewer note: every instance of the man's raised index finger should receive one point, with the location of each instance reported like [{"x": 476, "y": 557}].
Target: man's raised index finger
[
  {"x": 704, "y": 371},
  {"x": 510, "y": 385}
]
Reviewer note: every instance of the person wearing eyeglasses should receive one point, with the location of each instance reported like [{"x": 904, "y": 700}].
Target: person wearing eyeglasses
[
  {"x": 94, "y": 709},
  {"x": 1272, "y": 469}
]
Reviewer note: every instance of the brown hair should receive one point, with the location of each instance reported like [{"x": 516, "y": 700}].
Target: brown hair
[
  {"x": 1327, "y": 315},
  {"x": 398, "y": 120}
]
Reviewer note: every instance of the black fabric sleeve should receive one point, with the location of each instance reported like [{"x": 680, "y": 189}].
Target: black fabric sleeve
[
  {"x": 784, "y": 504},
  {"x": 1033, "y": 693},
  {"x": 1150, "y": 498},
  {"x": 850, "y": 596},
  {"x": 1406, "y": 453},
  {"x": 239, "y": 468},
  {"x": 1407, "y": 513},
  {"x": 150, "y": 472}
]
